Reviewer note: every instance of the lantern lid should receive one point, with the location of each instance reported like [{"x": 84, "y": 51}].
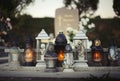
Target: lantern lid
[
  {"x": 80, "y": 35},
  {"x": 61, "y": 39},
  {"x": 42, "y": 35}
]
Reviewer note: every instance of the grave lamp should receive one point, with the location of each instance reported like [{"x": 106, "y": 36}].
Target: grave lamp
[
  {"x": 50, "y": 58},
  {"x": 97, "y": 51},
  {"x": 29, "y": 57},
  {"x": 60, "y": 44},
  {"x": 14, "y": 54},
  {"x": 68, "y": 60},
  {"x": 42, "y": 38},
  {"x": 113, "y": 51}
]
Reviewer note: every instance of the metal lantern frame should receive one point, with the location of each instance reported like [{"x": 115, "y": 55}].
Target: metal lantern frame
[
  {"x": 81, "y": 36},
  {"x": 41, "y": 36}
]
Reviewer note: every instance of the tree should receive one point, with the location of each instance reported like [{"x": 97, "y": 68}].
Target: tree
[
  {"x": 11, "y": 8},
  {"x": 116, "y": 7},
  {"x": 82, "y": 5}
]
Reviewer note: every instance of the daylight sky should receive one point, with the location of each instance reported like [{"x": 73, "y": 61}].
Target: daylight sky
[{"x": 46, "y": 8}]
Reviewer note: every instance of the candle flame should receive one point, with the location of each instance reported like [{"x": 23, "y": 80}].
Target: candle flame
[
  {"x": 61, "y": 56},
  {"x": 97, "y": 56}
]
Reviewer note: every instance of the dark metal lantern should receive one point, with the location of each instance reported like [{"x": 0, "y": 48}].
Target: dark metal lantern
[{"x": 60, "y": 44}]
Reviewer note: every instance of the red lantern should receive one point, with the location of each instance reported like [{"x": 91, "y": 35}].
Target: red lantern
[{"x": 97, "y": 57}]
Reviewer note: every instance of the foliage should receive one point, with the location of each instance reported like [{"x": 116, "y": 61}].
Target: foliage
[
  {"x": 116, "y": 7},
  {"x": 82, "y": 5},
  {"x": 26, "y": 26},
  {"x": 86, "y": 24},
  {"x": 106, "y": 30},
  {"x": 11, "y": 8}
]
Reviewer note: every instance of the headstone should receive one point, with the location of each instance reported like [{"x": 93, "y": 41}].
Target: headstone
[{"x": 66, "y": 18}]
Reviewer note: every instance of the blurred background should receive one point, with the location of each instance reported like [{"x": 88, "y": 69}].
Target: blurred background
[{"x": 28, "y": 17}]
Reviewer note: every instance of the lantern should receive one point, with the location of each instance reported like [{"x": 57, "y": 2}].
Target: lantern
[
  {"x": 29, "y": 57},
  {"x": 50, "y": 58},
  {"x": 42, "y": 38},
  {"x": 14, "y": 55},
  {"x": 60, "y": 43},
  {"x": 97, "y": 51}
]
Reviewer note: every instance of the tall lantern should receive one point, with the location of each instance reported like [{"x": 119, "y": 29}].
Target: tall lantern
[
  {"x": 82, "y": 38},
  {"x": 60, "y": 44},
  {"x": 41, "y": 38}
]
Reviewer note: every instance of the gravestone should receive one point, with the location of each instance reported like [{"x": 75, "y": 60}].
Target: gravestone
[{"x": 65, "y": 18}]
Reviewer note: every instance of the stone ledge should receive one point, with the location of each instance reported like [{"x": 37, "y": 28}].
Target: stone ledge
[
  {"x": 78, "y": 69},
  {"x": 21, "y": 68}
]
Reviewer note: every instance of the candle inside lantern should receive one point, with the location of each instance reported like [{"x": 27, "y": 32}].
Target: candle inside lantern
[
  {"x": 61, "y": 56},
  {"x": 29, "y": 55},
  {"x": 97, "y": 56}
]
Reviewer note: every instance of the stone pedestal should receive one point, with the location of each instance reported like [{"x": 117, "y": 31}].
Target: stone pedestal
[
  {"x": 68, "y": 70},
  {"x": 50, "y": 64},
  {"x": 41, "y": 64},
  {"x": 80, "y": 63},
  {"x": 14, "y": 65}
]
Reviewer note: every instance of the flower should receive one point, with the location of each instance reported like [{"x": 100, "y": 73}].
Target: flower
[
  {"x": 69, "y": 29},
  {"x": 86, "y": 25},
  {"x": 70, "y": 33}
]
